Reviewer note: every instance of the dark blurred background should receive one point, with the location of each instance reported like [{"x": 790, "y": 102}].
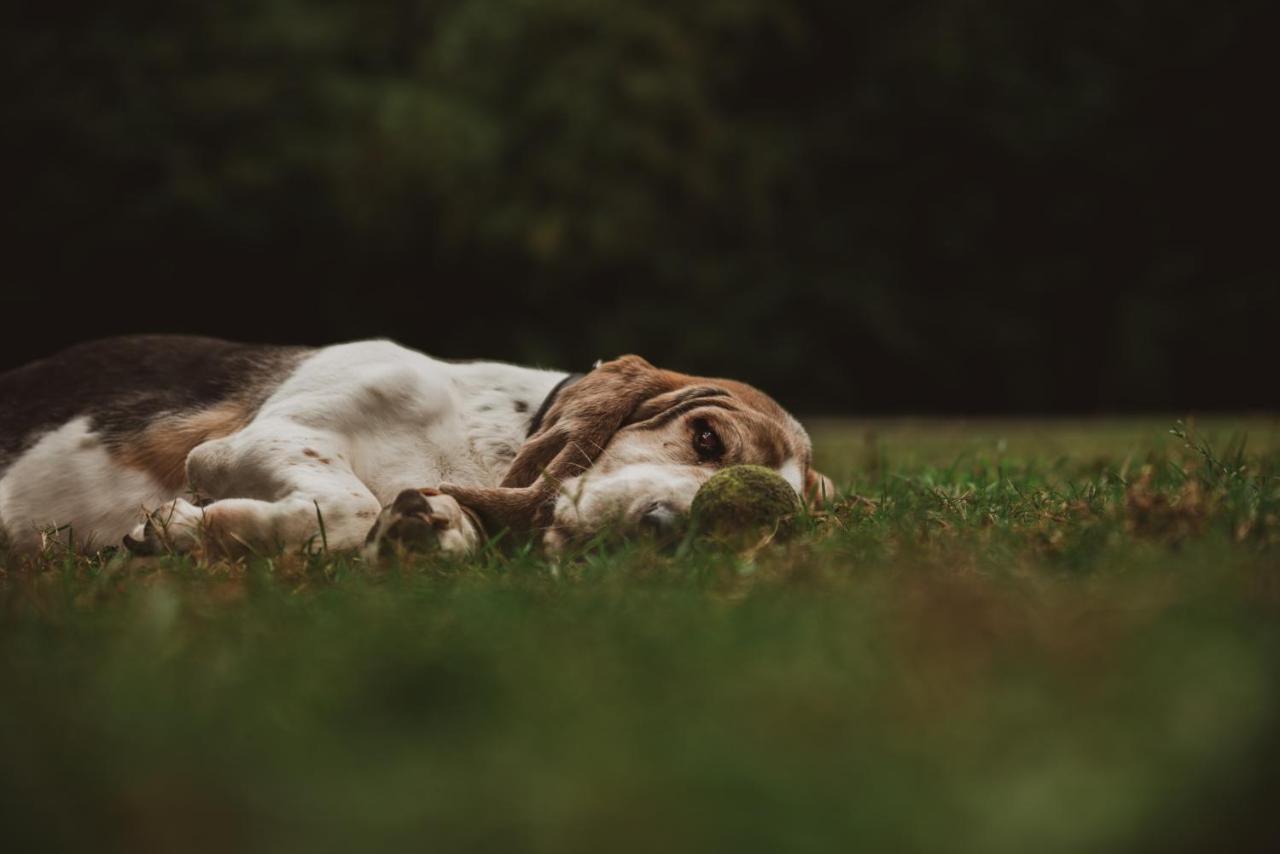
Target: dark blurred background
[{"x": 933, "y": 206}]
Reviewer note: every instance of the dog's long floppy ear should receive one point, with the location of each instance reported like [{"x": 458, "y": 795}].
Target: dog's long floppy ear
[
  {"x": 574, "y": 432},
  {"x": 584, "y": 418}
]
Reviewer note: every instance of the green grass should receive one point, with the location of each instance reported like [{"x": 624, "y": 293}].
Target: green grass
[{"x": 1009, "y": 637}]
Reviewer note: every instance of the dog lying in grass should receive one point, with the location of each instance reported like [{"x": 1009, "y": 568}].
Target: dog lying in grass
[{"x": 182, "y": 443}]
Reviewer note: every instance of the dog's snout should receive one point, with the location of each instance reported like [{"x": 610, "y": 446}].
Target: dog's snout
[{"x": 660, "y": 517}]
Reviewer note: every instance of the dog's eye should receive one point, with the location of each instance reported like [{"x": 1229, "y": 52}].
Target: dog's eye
[{"x": 706, "y": 442}]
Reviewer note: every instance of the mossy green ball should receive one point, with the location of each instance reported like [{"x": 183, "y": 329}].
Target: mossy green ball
[{"x": 745, "y": 502}]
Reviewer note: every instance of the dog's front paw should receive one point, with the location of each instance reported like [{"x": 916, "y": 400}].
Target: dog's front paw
[
  {"x": 421, "y": 520},
  {"x": 175, "y": 527}
]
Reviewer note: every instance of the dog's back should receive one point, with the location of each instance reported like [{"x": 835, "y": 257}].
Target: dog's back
[
  {"x": 70, "y": 424},
  {"x": 123, "y": 384}
]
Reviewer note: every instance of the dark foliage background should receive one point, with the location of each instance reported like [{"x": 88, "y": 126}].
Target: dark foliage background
[{"x": 990, "y": 205}]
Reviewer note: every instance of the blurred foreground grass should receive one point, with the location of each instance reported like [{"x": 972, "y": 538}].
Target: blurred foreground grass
[{"x": 1010, "y": 636}]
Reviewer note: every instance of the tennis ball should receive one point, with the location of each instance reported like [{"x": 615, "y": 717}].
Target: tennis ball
[{"x": 745, "y": 503}]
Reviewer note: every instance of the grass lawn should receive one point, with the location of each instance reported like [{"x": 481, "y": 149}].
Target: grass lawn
[{"x": 1009, "y": 637}]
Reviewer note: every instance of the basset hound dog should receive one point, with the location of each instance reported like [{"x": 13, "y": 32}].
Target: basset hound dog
[{"x": 179, "y": 443}]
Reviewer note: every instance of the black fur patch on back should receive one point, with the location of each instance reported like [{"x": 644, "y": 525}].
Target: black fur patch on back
[{"x": 123, "y": 384}]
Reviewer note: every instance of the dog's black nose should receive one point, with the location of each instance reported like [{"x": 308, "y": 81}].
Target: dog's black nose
[{"x": 660, "y": 518}]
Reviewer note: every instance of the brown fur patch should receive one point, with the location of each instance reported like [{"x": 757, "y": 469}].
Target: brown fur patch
[{"x": 161, "y": 449}]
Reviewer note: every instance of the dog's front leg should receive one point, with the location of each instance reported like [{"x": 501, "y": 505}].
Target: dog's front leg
[{"x": 274, "y": 486}]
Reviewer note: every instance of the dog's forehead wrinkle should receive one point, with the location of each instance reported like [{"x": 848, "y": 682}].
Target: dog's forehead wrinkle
[
  {"x": 671, "y": 413},
  {"x": 700, "y": 391}
]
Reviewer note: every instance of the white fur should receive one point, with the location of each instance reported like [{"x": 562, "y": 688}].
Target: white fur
[
  {"x": 594, "y": 500},
  {"x": 606, "y": 496},
  {"x": 69, "y": 481},
  {"x": 793, "y": 474},
  {"x": 349, "y": 429}
]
